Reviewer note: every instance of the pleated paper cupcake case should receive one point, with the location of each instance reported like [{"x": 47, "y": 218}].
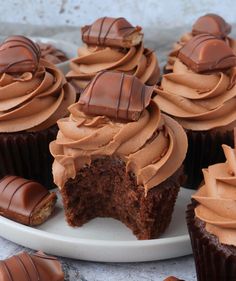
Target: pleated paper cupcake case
[{"x": 27, "y": 154}]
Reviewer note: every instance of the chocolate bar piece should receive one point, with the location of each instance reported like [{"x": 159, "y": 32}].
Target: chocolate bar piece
[
  {"x": 211, "y": 24},
  {"x": 18, "y": 54},
  {"x": 25, "y": 201},
  {"x": 172, "y": 278},
  {"x": 35, "y": 267},
  {"x": 115, "y": 32},
  {"x": 204, "y": 53},
  {"x": 115, "y": 95}
]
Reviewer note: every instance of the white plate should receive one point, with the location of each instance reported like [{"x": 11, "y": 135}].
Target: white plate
[
  {"x": 68, "y": 48},
  {"x": 103, "y": 240}
]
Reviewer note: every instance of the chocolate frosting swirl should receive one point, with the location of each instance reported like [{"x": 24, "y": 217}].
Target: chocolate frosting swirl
[
  {"x": 34, "y": 102},
  {"x": 217, "y": 198},
  {"x": 136, "y": 60},
  {"x": 198, "y": 101},
  {"x": 153, "y": 147},
  {"x": 51, "y": 53}
]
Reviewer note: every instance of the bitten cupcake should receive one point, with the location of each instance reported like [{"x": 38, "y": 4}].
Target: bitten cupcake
[
  {"x": 209, "y": 24},
  {"x": 201, "y": 95},
  {"x": 118, "y": 156},
  {"x": 211, "y": 220},
  {"x": 113, "y": 44},
  {"x": 33, "y": 96}
]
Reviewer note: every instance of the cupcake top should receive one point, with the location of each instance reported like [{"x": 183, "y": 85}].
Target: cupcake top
[
  {"x": 217, "y": 198},
  {"x": 201, "y": 92},
  {"x": 208, "y": 24},
  {"x": 116, "y": 116},
  {"x": 33, "y": 92},
  {"x": 51, "y": 53},
  {"x": 113, "y": 44}
]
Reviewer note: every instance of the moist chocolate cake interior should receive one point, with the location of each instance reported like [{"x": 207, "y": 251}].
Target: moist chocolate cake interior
[{"x": 104, "y": 189}]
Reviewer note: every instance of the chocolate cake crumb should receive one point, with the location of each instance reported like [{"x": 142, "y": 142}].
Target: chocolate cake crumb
[{"x": 105, "y": 189}]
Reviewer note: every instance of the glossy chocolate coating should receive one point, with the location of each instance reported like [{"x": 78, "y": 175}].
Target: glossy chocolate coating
[
  {"x": 108, "y": 32},
  {"x": 18, "y": 54},
  {"x": 212, "y": 24},
  {"x": 204, "y": 53},
  {"x": 35, "y": 267},
  {"x": 19, "y": 197},
  {"x": 115, "y": 95}
]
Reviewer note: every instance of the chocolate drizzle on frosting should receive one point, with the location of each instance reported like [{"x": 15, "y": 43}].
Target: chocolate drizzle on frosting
[
  {"x": 204, "y": 53},
  {"x": 212, "y": 24},
  {"x": 20, "y": 196},
  {"x": 35, "y": 267},
  {"x": 111, "y": 32},
  {"x": 19, "y": 54},
  {"x": 124, "y": 97}
]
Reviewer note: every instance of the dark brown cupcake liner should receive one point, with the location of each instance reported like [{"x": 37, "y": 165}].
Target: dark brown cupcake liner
[
  {"x": 27, "y": 154},
  {"x": 212, "y": 262},
  {"x": 204, "y": 149}
]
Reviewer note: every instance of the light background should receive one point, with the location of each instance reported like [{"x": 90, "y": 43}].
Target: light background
[{"x": 157, "y": 13}]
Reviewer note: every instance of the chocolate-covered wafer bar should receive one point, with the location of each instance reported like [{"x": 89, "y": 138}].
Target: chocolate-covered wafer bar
[
  {"x": 211, "y": 24},
  {"x": 172, "y": 278},
  {"x": 34, "y": 267},
  {"x": 204, "y": 53},
  {"x": 25, "y": 201},
  {"x": 18, "y": 54},
  {"x": 116, "y": 32},
  {"x": 124, "y": 97}
]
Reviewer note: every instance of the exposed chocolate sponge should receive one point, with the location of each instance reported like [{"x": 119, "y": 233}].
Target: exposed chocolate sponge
[
  {"x": 204, "y": 53},
  {"x": 123, "y": 97},
  {"x": 18, "y": 54},
  {"x": 25, "y": 201},
  {"x": 116, "y": 32},
  {"x": 212, "y": 24},
  {"x": 34, "y": 267}
]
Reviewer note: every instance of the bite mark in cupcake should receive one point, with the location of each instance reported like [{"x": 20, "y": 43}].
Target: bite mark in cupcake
[{"x": 111, "y": 163}]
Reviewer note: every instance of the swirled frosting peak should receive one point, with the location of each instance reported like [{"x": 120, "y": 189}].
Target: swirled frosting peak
[
  {"x": 34, "y": 101},
  {"x": 199, "y": 102},
  {"x": 153, "y": 147},
  {"x": 18, "y": 54},
  {"x": 217, "y": 198},
  {"x": 51, "y": 53}
]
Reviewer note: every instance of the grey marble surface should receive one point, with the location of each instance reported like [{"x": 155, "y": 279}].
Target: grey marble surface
[
  {"x": 80, "y": 270},
  {"x": 91, "y": 271}
]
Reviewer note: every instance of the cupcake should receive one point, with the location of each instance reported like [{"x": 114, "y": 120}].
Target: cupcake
[
  {"x": 209, "y": 24},
  {"x": 118, "y": 156},
  {"x": 113, "y": 44},
  {"x": 201, "y": 95},
  {"x": 51, "y": 53},
  {"x": 34, "y": 95},
  {"x": 211, "y": 220}
]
